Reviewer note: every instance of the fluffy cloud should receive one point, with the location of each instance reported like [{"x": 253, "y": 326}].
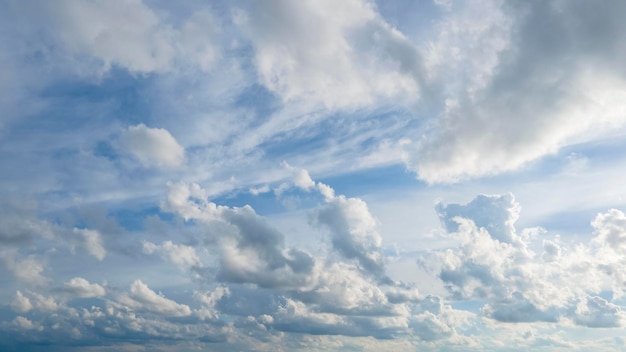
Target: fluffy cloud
[
  {"x": 338, "y": 55},
  {"x": 143, "y": 298},
  {"x": 528, "y": 93},
  {"x": 181, "y": 255},
  {"x": 209, "y": 301},
  {"x": 497, "y": 214},
  {"x": 92, "y": 242},
  {"x": 152, "y": 146},
  {"x": 32, "y": 300},
  {"x": 494, "y": 264},
  {"x": 28, "y": 269},
  {"x": 251, "y": 250},
  {"x": 82, "y": 288},
  {"x": 132, "y": 35},
  {"x": 353, "y": 231},
  {"x": 596, "y": 312}
]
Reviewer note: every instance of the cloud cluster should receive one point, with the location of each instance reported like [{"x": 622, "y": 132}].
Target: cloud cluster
[
  {"x": 524, "y": 94},
  {"x": 152, "y": 146},
  {"x": 559, "y": 283}
]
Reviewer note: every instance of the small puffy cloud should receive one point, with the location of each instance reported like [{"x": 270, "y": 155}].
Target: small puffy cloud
[
  {"x": 551, "y": 251},
  {"x": 428, "y": 327},
  {"x": 209, "y": 301},
  {"x": 610, "y": 230},
  {"x": 21, "y": 303},
  {"x": 497, "y": 214},
  {"x": 596, "y": 312},
  {"x": 28, "y": 269},
  {"x": 259, "y": 190},
  {"x": 518, "y": 309},
  {"x": 251, "y": 250},
  {"x": 82, "y": 288},
  {"x": 256, "y": 253},
  {"x": 181, "y": 255},
  {"x": 92, "y": 242},
  {"x": 19, "y": 223},
  {"x": 300, "y": 178},
  {"x": 152, "y": 147},
  {"x": 23, "y": 323},
  {"x": 143, "y": 298},
  {"x": 353, "y": 231}
]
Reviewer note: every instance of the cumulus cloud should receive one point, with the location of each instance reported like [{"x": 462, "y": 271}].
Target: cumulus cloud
[
  {"x": 92, "y": 242},
  {"x": 143, "y": 298},
  {"x": 493, "y": 264},
  {"x": 252, "y": 251},
  {"x": 19, "y": 223},
  {"x": 181, "y": 255},
  {"x": 23, "y": 323},
  {"x": 133, "y": 36},
  {"x": 209, "y": 301},
  {"x": 152, "y": 147},
  {"x": 353, "y": 228},
  {"x": 497, "y": 214},
  {"x": 339, "y": 55},
  {"x": 526, "y": 93},
  {"x": 82, "y": 288},
  {"x": 23, "y": 303},
  {"x": 353, "y": 231},
  {"x": 596, "y": 312},
  {"x": 28, "y": 269},
  {"x": 610, "y": 228}
]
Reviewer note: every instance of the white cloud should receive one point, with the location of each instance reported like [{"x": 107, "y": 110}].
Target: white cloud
[
  {"x": 339, "y": 55},
  {"x": 152, "y": 146},
  {"x": 82, "y": 288},
  {"x": 611, "y": 230},
  {"x": 209, "y": 301},
  {"x": 181, "y": 255},
  {"x": 497, "y": 214},
  {"x": 133, "y": 36},
  {"x": 143, "y": 298},
  {"x": 28, "y": 269},
  {"x": 353, "y": 231},
  {"x": 21, "y": 304},
  {"x": 26, "y": 324},
  {"x": 596, "y": 312},
  {"x": 526, "y": 94},
  {"x": 92, "y": 242},
  {"x": 520, "y": 285}
]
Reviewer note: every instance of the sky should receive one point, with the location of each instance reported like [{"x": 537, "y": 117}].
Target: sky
[{"x": 274, "y": 175}]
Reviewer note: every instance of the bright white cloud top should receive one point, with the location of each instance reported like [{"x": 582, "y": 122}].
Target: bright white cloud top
[{"x": 312, "y": 175}]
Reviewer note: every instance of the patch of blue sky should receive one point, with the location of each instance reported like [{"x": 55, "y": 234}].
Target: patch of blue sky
[
  {"x": 473, "y": 306},
  {"x": 134, "y": 219},
  {"x": 413, "y": 18},
  {"x": 386, "y": 178},
  {"x": 343, "y": 133},
  {"x": 267, "y": 203},
  {"x": 261, "y": 100}
]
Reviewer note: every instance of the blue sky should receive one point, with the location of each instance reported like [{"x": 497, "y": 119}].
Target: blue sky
[{"x": 315, "y": 175}]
